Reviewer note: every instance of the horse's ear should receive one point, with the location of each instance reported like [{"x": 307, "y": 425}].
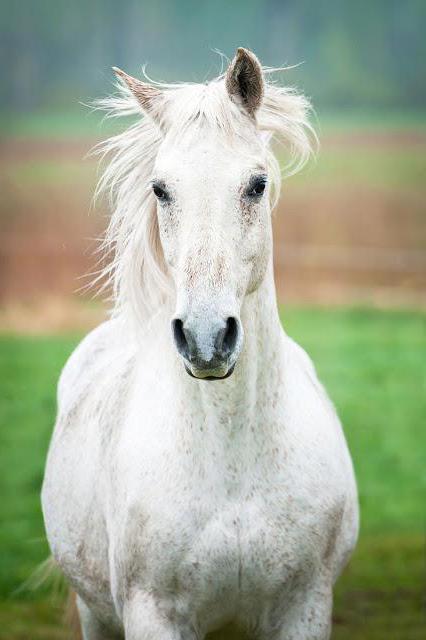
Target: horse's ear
[
  {"x": 150, "y": 98},
  {"x": 244, "y": 80}
]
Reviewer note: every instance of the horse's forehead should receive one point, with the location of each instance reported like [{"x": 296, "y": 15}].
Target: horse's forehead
[{"x": 208, "y": 156}]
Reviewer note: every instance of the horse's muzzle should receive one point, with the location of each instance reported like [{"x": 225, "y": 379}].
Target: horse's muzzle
[{"x": 209, "y": 349}]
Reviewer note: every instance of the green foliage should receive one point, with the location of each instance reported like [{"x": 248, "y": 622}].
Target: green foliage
[{"x": 373, "y": 366}]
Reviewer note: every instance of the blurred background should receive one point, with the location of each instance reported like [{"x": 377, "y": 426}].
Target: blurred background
[{"x": 350, "y": 238}]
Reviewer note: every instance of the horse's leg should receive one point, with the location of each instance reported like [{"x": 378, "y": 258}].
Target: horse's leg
[
  {"x": 308, "y": 617},
  {"x": 143, "y": 621},
  {"x": 91, "y": 628}
]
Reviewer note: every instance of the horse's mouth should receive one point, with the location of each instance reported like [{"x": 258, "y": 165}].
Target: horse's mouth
[{"x": 210, "y": 377}]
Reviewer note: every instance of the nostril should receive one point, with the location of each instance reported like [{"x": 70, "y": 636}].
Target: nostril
[
  {"x": 231, "y": 335},
  {"x": 179, "y": 337}
]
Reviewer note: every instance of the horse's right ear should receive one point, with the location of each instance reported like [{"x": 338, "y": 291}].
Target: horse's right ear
[{"x": 150, "y": 98}]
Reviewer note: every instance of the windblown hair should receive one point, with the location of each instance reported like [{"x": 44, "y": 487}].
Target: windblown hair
[{"x": 136, "y": 271}]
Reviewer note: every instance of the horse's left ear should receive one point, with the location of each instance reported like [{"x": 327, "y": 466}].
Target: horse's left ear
[
  {"x": 244, "y": 80},
  {"x": 150, "y": 98}
]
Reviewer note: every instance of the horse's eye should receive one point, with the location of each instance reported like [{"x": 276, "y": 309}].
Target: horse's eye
[
  {"x": 256, "y": 187},
  {"x": 159, "y": 192}
]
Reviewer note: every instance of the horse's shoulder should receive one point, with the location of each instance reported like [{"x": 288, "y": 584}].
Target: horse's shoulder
[
  {"x": 298, "y": 356},
  {"x": 303, "y": 373},
  {"x": 309, "y": 410},
  {"x": 84, "y": 357},
  {"x": 95, "y": 361}
]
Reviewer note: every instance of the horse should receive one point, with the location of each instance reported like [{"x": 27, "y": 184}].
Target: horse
[{"x": 198, "y": 482}]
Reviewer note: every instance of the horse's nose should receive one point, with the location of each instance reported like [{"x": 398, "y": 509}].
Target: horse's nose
[{"x": 209, "y": 345}]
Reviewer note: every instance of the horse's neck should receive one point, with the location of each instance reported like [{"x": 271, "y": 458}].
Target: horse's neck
[{"x": 259, "y": 365}]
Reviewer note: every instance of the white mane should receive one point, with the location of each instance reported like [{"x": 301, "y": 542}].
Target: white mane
[{"x": 136, "y": 271}]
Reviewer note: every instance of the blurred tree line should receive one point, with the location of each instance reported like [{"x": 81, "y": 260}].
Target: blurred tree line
[{"x": 368, "y": 53}]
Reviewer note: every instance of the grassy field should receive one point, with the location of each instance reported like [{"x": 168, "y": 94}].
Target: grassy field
[{"x": 371, "y": 361}]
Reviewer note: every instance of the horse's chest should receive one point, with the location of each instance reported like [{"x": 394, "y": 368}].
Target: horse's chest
[
  {"x": 241, "y": 548},
  {"x": 224, "y": 555},
  {"x": 225, "y": 532}
]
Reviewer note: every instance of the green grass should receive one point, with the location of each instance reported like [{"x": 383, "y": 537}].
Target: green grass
[
  {"x": 365, "y": 167},
  {"x": 29, "y": 368},
  {"x": 372, "y": 363}
]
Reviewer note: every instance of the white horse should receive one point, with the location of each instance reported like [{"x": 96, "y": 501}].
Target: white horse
[{"x": 184, "y": 505}]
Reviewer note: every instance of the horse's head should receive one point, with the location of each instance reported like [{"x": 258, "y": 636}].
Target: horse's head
[{"x": 211, "y": 179}]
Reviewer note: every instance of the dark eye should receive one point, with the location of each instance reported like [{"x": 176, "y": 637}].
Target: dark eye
[
  {"x": 160, "y": 192},
  {"x": 256, "y": 187}
]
